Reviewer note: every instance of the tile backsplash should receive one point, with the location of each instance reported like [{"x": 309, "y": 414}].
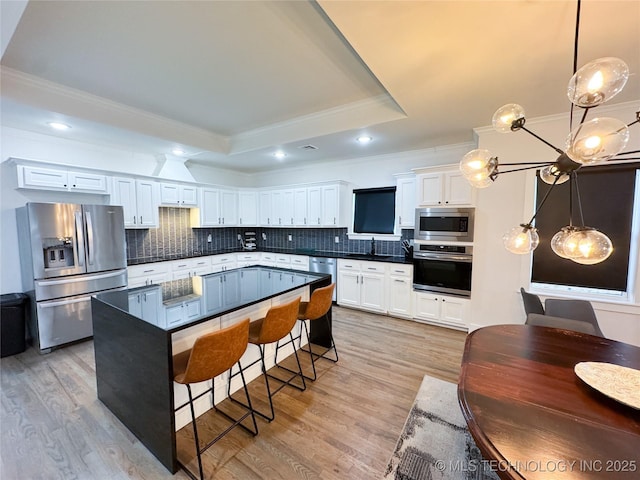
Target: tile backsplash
[{"x": 175, "y": 238}]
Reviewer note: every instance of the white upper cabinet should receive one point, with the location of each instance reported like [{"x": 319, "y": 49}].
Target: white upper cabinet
[
  {"x": 300, "y": 205},
  {"x": 176, "y": 195},
  {"x": 43, "y": 178},
  {"x": 314, "y": 206},
  {"x": 247, "y": 208},
  {"x": 406, "y": 201},
  {"x": 265, "y": 209},
  {"x": 217, "y": 208},
  {"x": 444, "y": 189},
  {"x": 139, "y": 199},
  {"x": 282, "y": 205}
]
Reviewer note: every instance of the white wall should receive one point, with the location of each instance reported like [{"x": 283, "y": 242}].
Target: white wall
[{"x": 498, "y": 274}]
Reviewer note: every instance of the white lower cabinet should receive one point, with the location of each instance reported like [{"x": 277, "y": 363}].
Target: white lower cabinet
[
  {"x": 182, "y": 312},
  {"x": 148, "y": 274},
  {"x": 362, "y": 285},
  {"x": 400, "y": 290},
  {"x": 442, "y": 309},
  {"x": 146, "y": 303}
]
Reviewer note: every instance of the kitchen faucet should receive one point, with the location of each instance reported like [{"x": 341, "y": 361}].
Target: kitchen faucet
[{"x": 373, "y": 247}]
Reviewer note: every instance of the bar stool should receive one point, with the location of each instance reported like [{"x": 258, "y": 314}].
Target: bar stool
[
  {"x": 212, "y": 354},
  {"x": 278, "y": 322},
  {"x": 315, "y": 309}
]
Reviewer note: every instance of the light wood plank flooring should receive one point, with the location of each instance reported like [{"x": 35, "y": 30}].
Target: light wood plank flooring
[{"x": 344, "y": 426}]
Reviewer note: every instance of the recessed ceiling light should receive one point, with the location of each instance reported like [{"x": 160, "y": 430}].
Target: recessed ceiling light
[
  {"x": 279, "y": 154},
  {"x": 59, "y": 126},
  {"x": 178, "y": 151},
  {"x": 364, "y": 139}
]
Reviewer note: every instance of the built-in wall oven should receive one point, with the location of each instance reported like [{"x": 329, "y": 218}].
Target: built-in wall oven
[{"x": 443, "y": 269}]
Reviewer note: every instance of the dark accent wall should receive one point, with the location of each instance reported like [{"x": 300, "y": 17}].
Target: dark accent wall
[{"x": 175, "y": 238}]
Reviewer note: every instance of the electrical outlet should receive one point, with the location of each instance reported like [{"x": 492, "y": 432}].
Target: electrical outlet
[
  {"x": 290, "y": 238},
  {"x": 337, "y": 239},
  {"x": 209, "y": 238}
]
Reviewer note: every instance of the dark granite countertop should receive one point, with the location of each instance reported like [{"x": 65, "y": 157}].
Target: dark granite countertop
[{"x": 288, "y": 251}]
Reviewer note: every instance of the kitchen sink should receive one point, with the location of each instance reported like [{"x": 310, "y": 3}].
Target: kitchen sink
[{"x": 366, "y": 256}]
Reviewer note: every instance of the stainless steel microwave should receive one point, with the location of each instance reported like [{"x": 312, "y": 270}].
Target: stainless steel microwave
[{"x": 444, "y": 224}]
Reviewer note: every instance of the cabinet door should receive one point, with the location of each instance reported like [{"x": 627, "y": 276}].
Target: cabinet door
[
  {"x": 314, "y": 206},
  {"x": 430, "y": 189},
  {"x": 189, "y": 195},
  {"x": 250, "y": 284},
  {"x": 372, "y": 292},
  {"x": 151, "y": 305},
  {"x": 212, "y": 287},
  {"x": 458, "y": 191},
  {"x": 135, "y": 304},
  {"x": 209, "y": 207},
  {"x": 265, "y": 209},
  {"x": 349, "y": 288},
  {"x": 231, "y": 288},
  {"x": 406, "y": 202},
  {"x": 169, "y": 194},
  {"x": 124, "y": 193},
  {"x": 174, "y": 315},
  {"x": 454, "y": 310},
  {"x": 87, "y": 182},
  {"x": 43, "y": 178},
  {"x": 400, "y": 296},
  {"x": 247, "y": 208},
  {"x": 427, "y": 306},
  {"x": 229, "y": 207},
  {"x": 300, "y": 206},
  {"x": 192, "y": 309},
  {"x": 331, "y": 206},
  {"x": 147, "y": 200},
  {"x": 282, "y": 202}
]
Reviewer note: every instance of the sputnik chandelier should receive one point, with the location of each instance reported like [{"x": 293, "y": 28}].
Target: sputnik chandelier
[{"x": 591, "y": 142}]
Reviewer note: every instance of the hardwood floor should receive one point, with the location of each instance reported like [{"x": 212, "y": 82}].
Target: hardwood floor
[{"x": 344, "y": 426}]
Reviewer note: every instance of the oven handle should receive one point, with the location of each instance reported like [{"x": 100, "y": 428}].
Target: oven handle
[{"x": 441, "y": 256}]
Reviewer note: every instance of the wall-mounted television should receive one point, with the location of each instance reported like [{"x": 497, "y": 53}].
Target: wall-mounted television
[{"x": 374, "y": 210}]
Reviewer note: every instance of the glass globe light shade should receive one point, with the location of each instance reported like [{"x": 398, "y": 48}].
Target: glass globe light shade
[
  {"x": 597, "y": 140},
  {"x": 480, "y": 181},
  {"x": 478, "y": 165},
  {"x": 521, "y": 240},
  {"x": 591, "y": 246},
  {"x": 550, "y": 173},
  {"x": 505, "y": 116},
  {"x": 597, "y": 81},
  {"x": 560, "y": 245}
]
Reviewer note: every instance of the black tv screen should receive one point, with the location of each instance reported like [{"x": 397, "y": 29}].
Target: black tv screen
[{"x": 374, "y": 210}]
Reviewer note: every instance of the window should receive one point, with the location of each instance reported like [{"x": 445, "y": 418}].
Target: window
[
  {"x": 607, "y": 194},
  {"x": 374, "y": 210}
]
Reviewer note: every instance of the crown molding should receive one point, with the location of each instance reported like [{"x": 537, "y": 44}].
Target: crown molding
[{"x": 39, "y": 93}]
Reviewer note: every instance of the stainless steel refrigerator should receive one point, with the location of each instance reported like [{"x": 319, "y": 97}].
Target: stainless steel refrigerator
[{"x": 68, "y": 252}]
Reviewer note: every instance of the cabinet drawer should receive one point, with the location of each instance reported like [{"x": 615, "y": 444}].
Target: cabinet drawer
[
  {"x": 349, "y": 265},
  {"x": 398, "y": 270},
  {"x": 373, "y": 267},
  {"x": 147, "y": 269}
]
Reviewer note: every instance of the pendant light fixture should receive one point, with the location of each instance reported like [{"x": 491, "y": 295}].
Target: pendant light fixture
[{"x": 591, "y": 142}]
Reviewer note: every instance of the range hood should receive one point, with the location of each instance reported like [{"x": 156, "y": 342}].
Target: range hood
[{"x": 173, "y": 168}]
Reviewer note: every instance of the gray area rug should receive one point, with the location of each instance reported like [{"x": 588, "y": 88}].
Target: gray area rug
[{"x": 435, "y": 442}]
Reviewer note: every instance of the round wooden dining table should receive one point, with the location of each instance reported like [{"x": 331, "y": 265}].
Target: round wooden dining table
[{"x": 532, "y": 417}]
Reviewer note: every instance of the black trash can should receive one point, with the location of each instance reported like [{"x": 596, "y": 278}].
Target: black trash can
[{"x": 13, "y": 316}]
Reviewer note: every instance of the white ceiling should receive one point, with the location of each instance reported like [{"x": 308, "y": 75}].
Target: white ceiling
[{"x": 232, "y": 81}]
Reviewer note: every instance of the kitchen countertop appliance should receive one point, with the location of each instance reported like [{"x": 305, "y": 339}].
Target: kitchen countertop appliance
[{"x": 68, "y": 252}]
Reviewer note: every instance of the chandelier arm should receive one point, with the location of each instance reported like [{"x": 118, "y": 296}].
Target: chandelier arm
[
  {"x": 523, "y": 168},
  {"x": 571, "y": 199},
  {"x": 627, "y": 153},
  {"x": 584, "y": 114},
  {"x": 637, "y": 120},
  {"x": 575, "y": 57},
  {"x": 540, "y": 164},
  {"x": 544, "y": 199},
  {"x": 541, "y": 139},
  {"x": 575, "y": 179}
]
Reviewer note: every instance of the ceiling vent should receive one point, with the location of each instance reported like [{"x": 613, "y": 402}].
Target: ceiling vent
[{"x": 308, "y": 147}]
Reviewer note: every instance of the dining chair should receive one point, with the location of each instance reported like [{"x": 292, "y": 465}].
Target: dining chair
[
  {"x": 579, "y": 310},
  {"x": 539, "y": 320},
  {"x": 211, "y": 355},
  {"x": 532, "y": 303}
]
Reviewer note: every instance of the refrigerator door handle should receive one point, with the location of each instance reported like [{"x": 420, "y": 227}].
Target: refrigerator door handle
[
  {"x": 63, "y": 302},
  {"x": 90, "y": 248},
  {"x": 79, "y": 240},
  {"x": 78, "y": 279}
]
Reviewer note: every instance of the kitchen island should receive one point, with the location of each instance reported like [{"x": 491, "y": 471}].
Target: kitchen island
[{"x": 137, "y": 331}]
